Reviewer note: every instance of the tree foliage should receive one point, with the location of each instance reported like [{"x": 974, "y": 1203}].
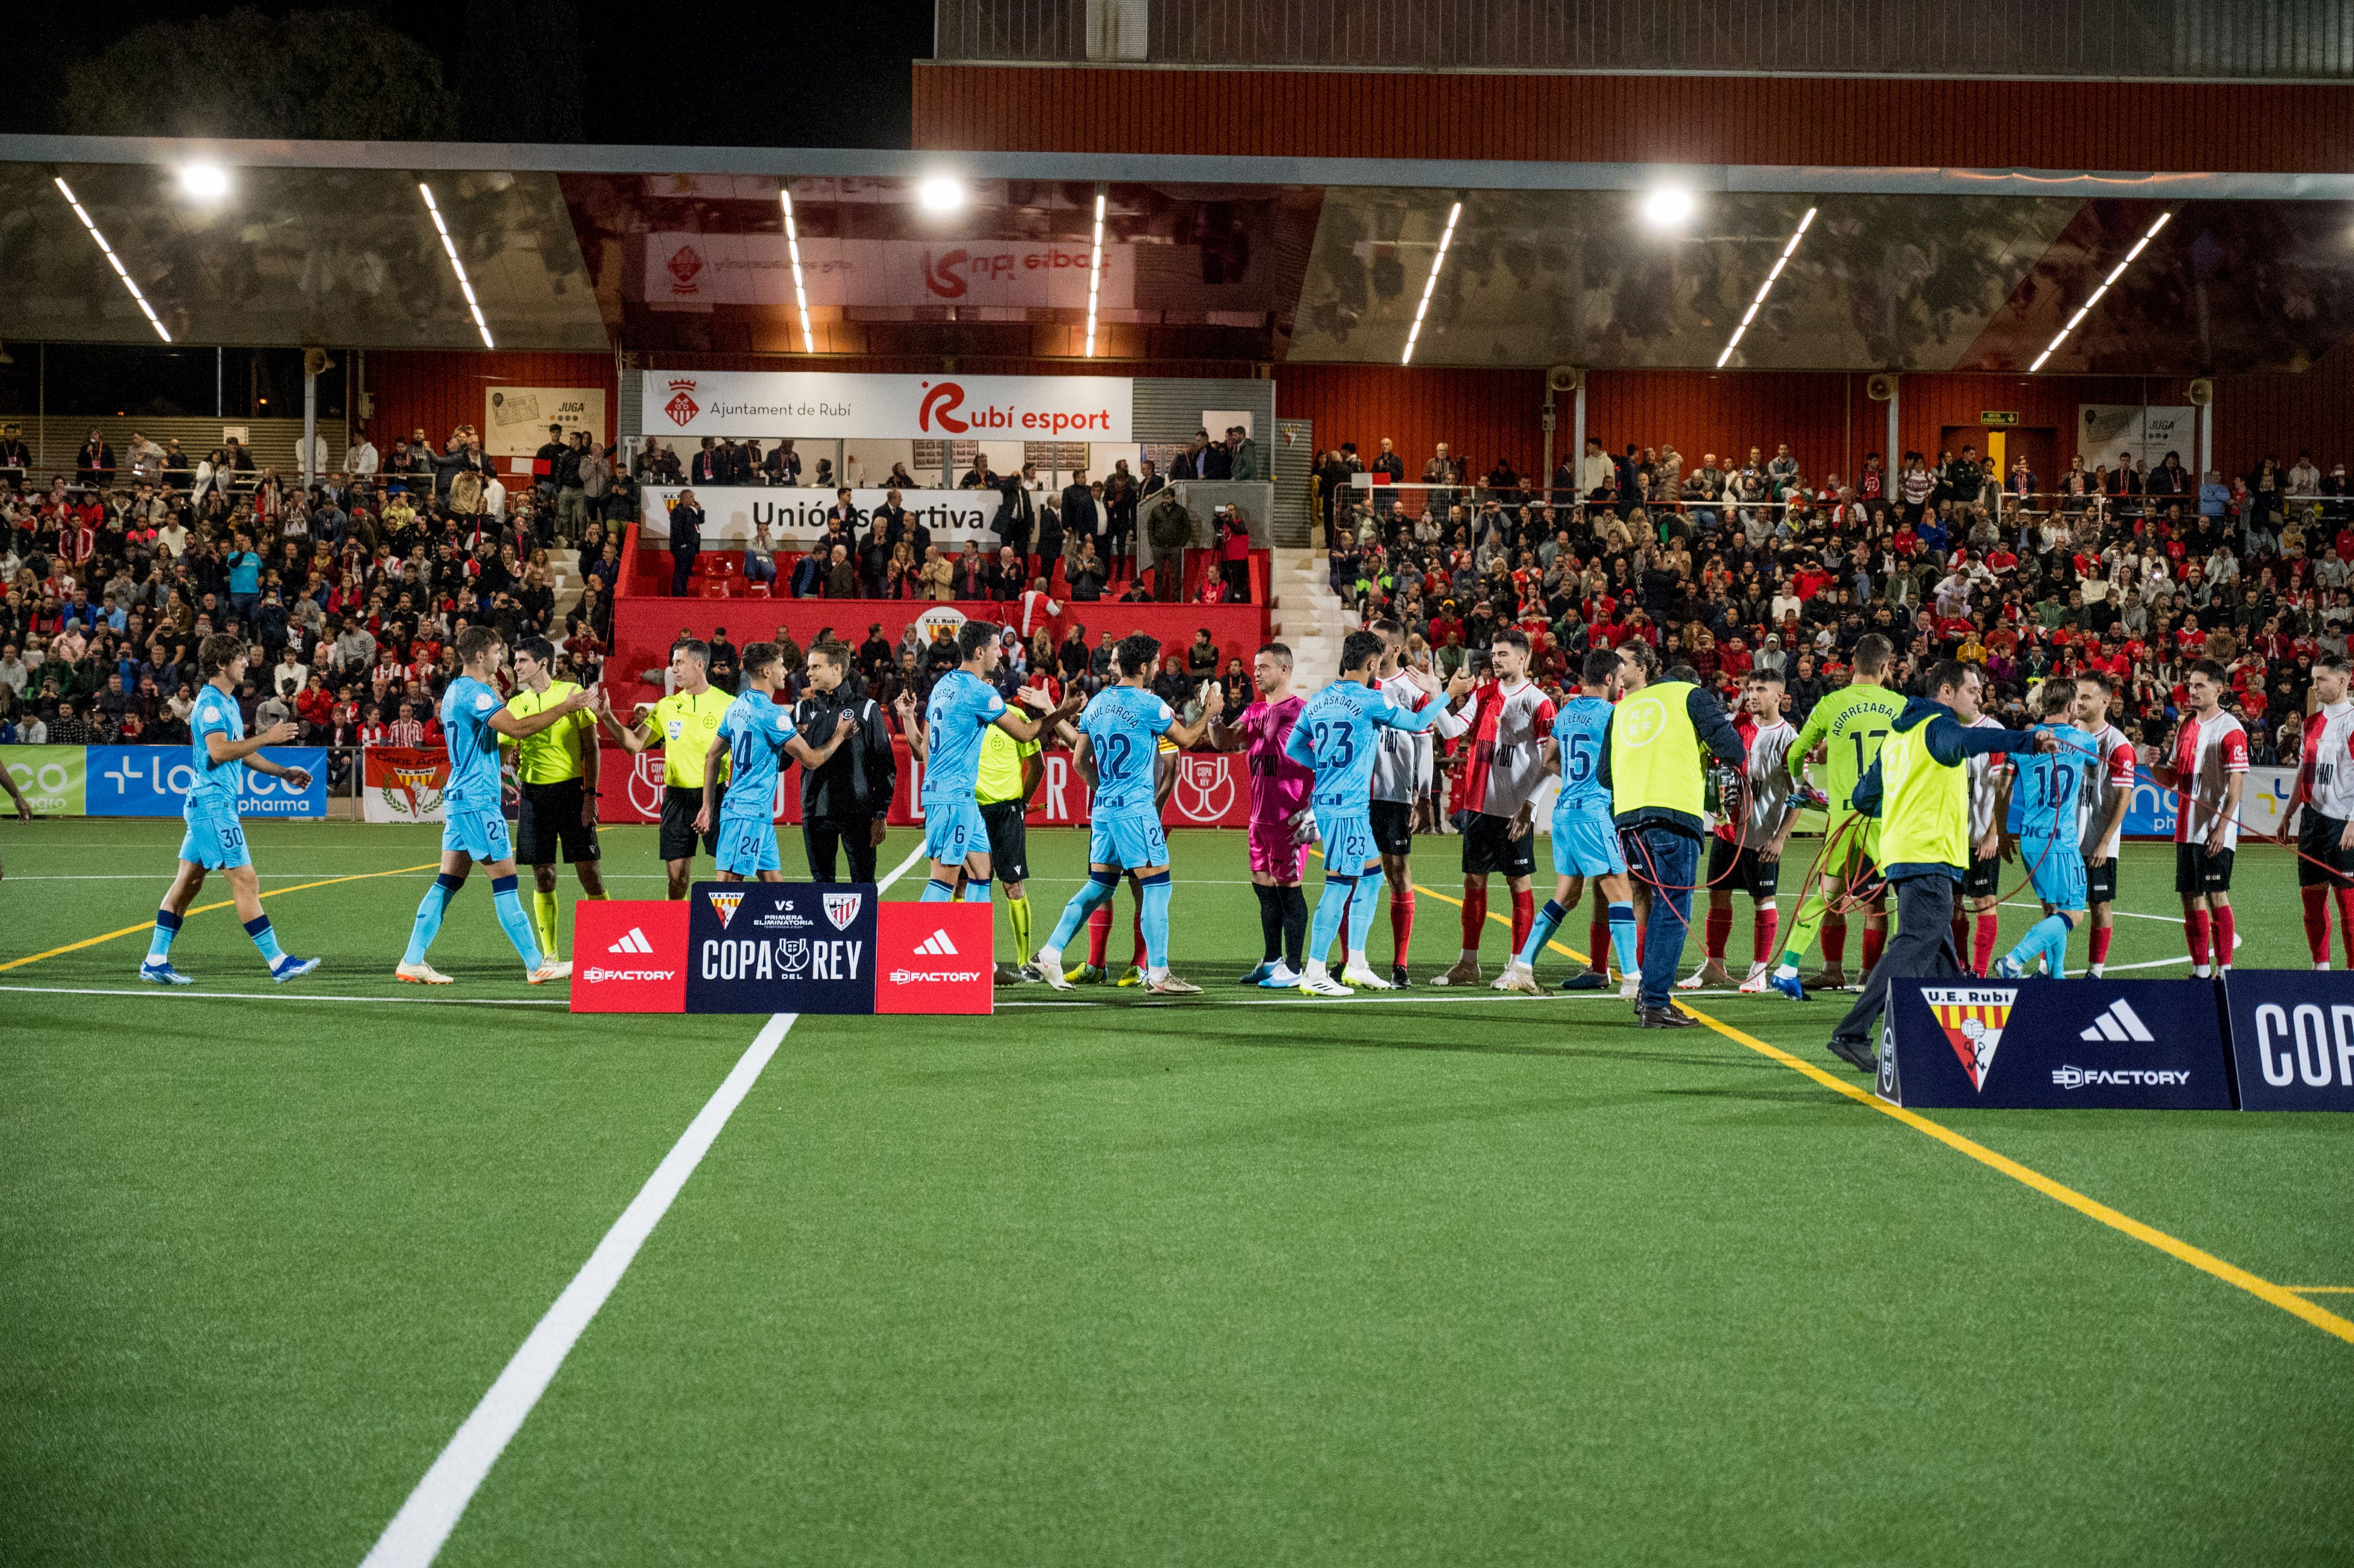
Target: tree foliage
[{"x": 333, "y": 76}]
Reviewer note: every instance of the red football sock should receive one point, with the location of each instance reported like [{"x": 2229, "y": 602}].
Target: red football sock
[
  {"x": 1990, "y": 932},
  {"x": 1475, "y": 916},
  {"x": 2345, "y": 896},
  {"x": 1719, "y": 929},
  {"x": 2317, "y": 922},
  {"x": 1138, "y": 918},
  {"x": 1761, "y": 937},
  {"x": 2101, "y": 935},
  {"x": 1834, "y": 939},
  {"x": 1098, "y": 935},
  {"x": 1597, "y": 938},
  {"x": 1524, "y": 914},
  {"x": 1642, "y": 928},
  {"x": 2223, "y": 938},
  {"x": 1962, "y": 937},
  {"x": 2194, "y": 930},
  {"x": 1872, "y": 942},
  {"x": 1401, "y": 921}
]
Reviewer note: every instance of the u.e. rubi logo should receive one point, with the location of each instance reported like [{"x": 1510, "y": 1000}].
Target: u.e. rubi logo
[{"x": 941, "y": 401}]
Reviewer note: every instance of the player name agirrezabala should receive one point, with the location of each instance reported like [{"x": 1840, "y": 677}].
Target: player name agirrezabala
[{"x": 760, "y": 958}]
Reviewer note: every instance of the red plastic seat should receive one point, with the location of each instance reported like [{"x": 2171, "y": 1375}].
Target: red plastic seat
[
  {"x": 711, "y": 588},
  {"x": 757, "y": 590}
]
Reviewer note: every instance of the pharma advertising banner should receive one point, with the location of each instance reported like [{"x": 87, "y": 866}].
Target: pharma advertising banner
[
  {"x": 2079, "y": 1044},
  {"x": 153, "y": 781},
  {"x": 819, "y": 404},
  {"x": 2293, "y": 1038},
  {"x": 50, "y": 777},
  {"x": 796, "y": 515}
]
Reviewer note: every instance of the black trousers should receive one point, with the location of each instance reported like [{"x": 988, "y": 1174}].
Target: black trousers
[
  {"x": 820, "y": 835},
  {"x": 1922, "y": 949},
  {"x": 682, "y": 569}
]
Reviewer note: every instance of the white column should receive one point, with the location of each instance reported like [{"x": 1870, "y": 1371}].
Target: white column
[
  {"x": 310, "y": 429},
  {"x": 2206, "y": 440}
]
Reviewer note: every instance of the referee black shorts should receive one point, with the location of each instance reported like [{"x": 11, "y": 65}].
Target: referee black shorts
[
  {"x": 1009, "y": 839},
  {"x": 2101, "y": 881},
  {"x": 550, "y": 823},
  {"x": 1393, "y": 827},
  {"x": 680, "y": 807},
  {"x": 2319, "y": 862}
]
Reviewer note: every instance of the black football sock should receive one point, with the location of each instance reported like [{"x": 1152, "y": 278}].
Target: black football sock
[
  {"x": 1271, "y": 921},
  {"x": 1295, "y": 923}
]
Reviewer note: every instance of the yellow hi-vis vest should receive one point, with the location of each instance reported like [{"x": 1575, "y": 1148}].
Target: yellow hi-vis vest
[
  {"x": 1655, "y": 756},
  {"x": 1925, "y": 806}
]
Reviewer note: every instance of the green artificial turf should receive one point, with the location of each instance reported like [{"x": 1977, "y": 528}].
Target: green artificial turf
[{"x": 1243, "y": 1278}]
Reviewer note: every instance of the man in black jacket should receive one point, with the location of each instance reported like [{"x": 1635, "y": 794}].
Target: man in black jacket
[
  {"x": 847, "y": 802},
  {"x": 686, "y": 542}
]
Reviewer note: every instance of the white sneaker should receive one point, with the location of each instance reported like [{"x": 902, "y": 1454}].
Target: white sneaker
[
  {"x": 422, "y": 974},
  {"x": 1363, "y": 979},
  {"x": 1518, "y": 977},
  {"x": 549, "y": 970},
  {"x": 1050, "y": 968},
  {"x": 1691, "y": 981},
  {"x": 1325, "y": 985},
  {"x": 1282, "y": 977},
  {"x": 1630, "y": 987},
  {"x": 1757, "y": 980},
  {"x": 1170, "y": 985}
]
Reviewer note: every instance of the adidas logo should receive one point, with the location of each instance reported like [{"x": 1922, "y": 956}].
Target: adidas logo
[
  {"x": 635, "y": 942},
  {"x": 938, "y": 946},
  {"x": 2119, "y": 1023}
]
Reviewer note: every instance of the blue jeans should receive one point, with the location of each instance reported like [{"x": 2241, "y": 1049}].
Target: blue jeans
[
  {"x": 760, "y": 568},
  {"x": 1667, "y": 862}
]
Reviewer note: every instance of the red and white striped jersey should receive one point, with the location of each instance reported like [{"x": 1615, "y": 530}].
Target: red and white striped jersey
[
  {"x": 1504, "y": 763},
  {"x": 2324, "y": 781},
  {"x": 2206, "y": 754},
  {"x": 1985, "y": 772},
  {"x": 1770, "y": 784},
  {"x": 2113, "y": 776},
  {"x": 1402, "y": 772}
]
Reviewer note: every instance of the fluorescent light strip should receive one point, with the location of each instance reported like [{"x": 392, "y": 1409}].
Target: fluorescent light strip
[
  {"x": 114, "y": 261},
  {"x": 1430, "y": 284},
  {"x": 1094, "y": 274},
  {"x": 1766, "y": 287},
  {"x": 800, "y": 290},
  {"x": 449, "y": 249},
  {"x": 2087, "y": 308}
]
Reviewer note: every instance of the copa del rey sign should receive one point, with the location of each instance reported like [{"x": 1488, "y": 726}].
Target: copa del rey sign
[{"x": 822, "y": 406}]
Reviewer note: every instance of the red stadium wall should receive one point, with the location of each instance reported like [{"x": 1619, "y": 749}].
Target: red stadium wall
[
  {"x": 438, "y": 390},
  {"x": 1845, "y": 122},
  {"x": 1479, "y": 413}
]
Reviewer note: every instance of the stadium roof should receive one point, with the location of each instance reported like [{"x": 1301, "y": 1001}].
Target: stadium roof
[{"x": 1249, "y": 259}]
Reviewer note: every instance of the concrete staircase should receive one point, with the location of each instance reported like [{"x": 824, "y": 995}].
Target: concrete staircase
[
  {"x": 1308, "y": 616},
  {"x": 565, "y": 579}
]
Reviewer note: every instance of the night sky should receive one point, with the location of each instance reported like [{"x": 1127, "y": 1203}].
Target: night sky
[{"x": 700, "y": 72}]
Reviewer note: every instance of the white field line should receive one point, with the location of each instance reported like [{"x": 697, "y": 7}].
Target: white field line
[
  {"x": 417, "y": 1532},
  {"x": 189, "y": 994}
]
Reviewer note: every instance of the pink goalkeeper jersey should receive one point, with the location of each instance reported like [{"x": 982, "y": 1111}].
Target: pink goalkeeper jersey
[{"x": 1278, "y": 786}]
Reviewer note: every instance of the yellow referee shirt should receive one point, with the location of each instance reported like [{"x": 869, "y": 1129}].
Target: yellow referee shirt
[
  {"x": 554, "y": 754},
  {"x": 686, "y": 726},
  {"x": 1002, "y": 756}
]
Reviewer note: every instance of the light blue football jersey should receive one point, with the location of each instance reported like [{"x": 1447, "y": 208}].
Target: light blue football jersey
[
  {"x": 961, "y": 709},
  {"x": 1124, "y": 725},
  {"x": 755, "y": 731}
]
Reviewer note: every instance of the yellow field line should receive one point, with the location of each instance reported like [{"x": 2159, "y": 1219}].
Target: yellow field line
[
  {"x": 149, "y": 925},
  {"x": 2284, "y": 1297}
]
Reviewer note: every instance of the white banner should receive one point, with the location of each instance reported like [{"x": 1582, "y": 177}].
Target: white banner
[
  {"x": 816, "y": 405},
  {"x": 696, "y": 271},
  {"x": 2103, "y": 430},
  {"x": 515, "y": 419},
  {"x": 796, "y": 515}
]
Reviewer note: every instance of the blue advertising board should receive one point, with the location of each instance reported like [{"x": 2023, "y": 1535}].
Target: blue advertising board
[
  {"x": 2053, "y": 1045},
  {"x": 781, "y": 947},
  {"x": 2292, "y": 1038},
  {"x": 153, "y": 781}
]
